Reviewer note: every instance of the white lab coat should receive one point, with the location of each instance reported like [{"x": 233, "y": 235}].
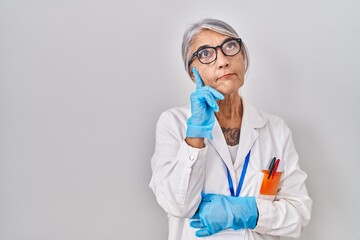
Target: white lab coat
[{"x": 180, "y": 173}]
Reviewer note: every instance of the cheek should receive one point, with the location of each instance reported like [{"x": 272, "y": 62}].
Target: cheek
[
  {"x": 239, "y": 63},
  {"x": 207, "y": 76},
  {"x": 208, "y": 80}
]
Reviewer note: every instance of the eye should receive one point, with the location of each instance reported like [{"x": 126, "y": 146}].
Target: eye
[
  {"x": 206, "y": 53},
  {"x": 231, "y": 48},
  {"x": 230, "y": 45}
]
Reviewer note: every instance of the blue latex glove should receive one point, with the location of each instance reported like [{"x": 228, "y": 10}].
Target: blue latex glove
[
  {"x": 218, "y": 212},
  {"x": 203, "y": 106}
]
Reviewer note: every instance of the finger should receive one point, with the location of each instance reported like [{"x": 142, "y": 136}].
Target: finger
[
  {"x": 216, "y": 93},
  {"x": 216, "y": 109},
  {"x": 196, "y": 215},
  {"x": 202, "y": 233},
  {"x": 208, "y": 197},
  {"x": 198, "y": 80},
  {"x": 210, "y": 100},
  {"x": 195, "y": 224}
]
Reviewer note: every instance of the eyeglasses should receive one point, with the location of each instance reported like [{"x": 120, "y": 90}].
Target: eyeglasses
[{"x": 206, "y": 54}]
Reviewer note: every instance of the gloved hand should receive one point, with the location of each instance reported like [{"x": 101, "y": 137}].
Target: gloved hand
[
  {"x": 203, "y": 105},
  {"x": 218, "y": 212}
]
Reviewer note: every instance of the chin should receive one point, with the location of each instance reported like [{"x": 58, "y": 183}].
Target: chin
[{"x": 226, "y": 90}]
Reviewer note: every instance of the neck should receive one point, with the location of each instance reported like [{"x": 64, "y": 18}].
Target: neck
[
  {"x": 230, "y": 111},
  {"x": 230, "y": 117}
]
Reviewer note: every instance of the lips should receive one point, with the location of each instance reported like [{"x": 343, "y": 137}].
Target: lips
[{"x": 225, "y": 76}]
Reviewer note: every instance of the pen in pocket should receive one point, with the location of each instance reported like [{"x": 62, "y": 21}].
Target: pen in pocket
[
  {"x": 271, "y": 178},
  {"x": 275, "y": 168},
  {"x": 271, "y": 166}
]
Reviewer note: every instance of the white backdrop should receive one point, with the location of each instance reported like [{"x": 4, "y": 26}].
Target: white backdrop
[{"x": 82, "y": 84}]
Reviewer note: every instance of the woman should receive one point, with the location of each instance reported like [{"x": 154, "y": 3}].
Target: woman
[{"x": 221, "y": 168}]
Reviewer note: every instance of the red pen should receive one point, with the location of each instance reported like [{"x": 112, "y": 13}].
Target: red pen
[{"x": 275, "y": 168}]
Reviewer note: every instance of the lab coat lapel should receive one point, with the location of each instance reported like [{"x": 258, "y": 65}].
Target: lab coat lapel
[
  {"x": 219, "y": 144},
  {"x": 248, "y": 133}
]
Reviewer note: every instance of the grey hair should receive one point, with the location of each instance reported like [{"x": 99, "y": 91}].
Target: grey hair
[{"x": 213, "y": 25}]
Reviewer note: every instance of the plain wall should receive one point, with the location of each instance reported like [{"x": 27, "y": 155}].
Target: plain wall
[{"x": 82, "y": 84}]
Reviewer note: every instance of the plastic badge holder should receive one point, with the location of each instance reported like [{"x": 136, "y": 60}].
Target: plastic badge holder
[{"x": 270, "y": 184}]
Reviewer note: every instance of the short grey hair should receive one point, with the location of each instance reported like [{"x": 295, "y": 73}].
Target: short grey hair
[{"x": 213, "y": 25}]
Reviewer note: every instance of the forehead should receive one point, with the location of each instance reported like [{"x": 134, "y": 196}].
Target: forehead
[{"x": 207, "y": 37}]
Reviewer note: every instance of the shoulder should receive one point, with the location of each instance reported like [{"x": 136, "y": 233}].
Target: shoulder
[
  {"x": 177, "y": 114},
  {"x": 277, "y": 126},
  {"x": 172, "y": 122},
  {"x": 272, "y": 119},
  {"x": 269, "y": 121}
]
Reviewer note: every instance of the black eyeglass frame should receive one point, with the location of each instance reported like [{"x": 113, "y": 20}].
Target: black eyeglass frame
[{"x": 195, "y": 54}]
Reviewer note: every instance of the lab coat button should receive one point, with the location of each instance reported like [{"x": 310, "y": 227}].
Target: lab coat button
[{"x": 192, "y": 157}]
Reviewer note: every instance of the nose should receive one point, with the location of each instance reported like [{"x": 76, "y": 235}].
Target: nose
[{"x": 222, "y": 60}]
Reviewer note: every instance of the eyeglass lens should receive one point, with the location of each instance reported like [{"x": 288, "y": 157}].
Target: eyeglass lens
[{"x": 229, "y": 48}]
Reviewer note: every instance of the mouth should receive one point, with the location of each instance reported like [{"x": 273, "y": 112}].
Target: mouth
[{"x": 225, "y": 76}]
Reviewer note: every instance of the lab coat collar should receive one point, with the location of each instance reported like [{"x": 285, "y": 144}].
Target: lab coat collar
[
  {"x": 251, "y": 122},
  {"x": 251, "y": 115}
]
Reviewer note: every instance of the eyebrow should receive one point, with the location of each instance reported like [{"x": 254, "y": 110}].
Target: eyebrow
[
  {"x": 202, "y": 47},
  {"x": 206, "y": 46}
]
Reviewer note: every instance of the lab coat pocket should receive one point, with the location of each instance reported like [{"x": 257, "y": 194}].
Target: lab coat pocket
[{"x": 270, "y": 183}]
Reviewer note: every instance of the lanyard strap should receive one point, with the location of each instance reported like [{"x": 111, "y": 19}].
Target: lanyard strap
[{"x": 241, "y": 181}]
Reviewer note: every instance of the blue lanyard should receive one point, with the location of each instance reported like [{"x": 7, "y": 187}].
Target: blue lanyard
[{"x": 241, "y": 181}]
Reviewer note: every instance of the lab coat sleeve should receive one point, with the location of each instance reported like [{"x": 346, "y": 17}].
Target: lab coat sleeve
[
  {"x": 290, "y": 212},
  {"x": 177, "y": 169}
]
